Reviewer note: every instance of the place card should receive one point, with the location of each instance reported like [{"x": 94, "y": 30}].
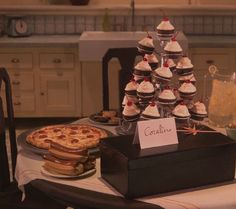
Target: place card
[{"x": 156, "y": 133}]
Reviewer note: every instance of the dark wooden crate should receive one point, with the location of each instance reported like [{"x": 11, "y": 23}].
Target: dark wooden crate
[{"x": 203, "y": 159}]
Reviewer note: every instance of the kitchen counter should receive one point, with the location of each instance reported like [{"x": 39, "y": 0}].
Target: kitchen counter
[
  {"x": 193, "y": 41},
  {"x": 44, "y": 39},
  {"x": 212, "y": 41}
]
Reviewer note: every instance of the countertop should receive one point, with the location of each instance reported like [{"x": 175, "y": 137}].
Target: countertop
[
  {"x": 43, "y": 39},
  {"x": 193, "y": 41}
]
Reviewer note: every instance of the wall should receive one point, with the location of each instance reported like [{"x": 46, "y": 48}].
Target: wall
[{"x": 105, "y": 2}]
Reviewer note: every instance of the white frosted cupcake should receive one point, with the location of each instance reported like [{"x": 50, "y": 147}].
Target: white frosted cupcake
[
  {"x": 198, "y": 111},
  {"x": 146, "y": 45},
  {"x": 145, "y": 90},
  {"x": 184, "y": 66},
  {"x": 131, "y": 88},
  {"x": 165, "y": 28},
  {"x": 166, "y": 97},
  {"x": 187, "y": 90},
  {"x": 151, "y": 112},
  {"x": 171, "y": 64},
  {"x": 152, "y": 60},
  {"x": 181, "y": 113},
  {"x": 185, "y": 78},
  {"x": 163, "y": 73},
  {"x": 172, "y": 49},
  {"x": 131, "y": 112},
  {"x": 142, "y": 68}
]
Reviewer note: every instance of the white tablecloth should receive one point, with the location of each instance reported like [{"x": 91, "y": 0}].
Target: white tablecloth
[{"x": 220, "y": 196}]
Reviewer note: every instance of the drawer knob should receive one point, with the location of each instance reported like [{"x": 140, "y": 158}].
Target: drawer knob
[
  {"x": 17, "y": 103},
  {"x": 42, "y": 93},
  {"x": 210, "y": 62},
  {"x": 15, "y": 60},
  {"x": 57, "y": 60},
  {"x": 16, "y": 82}
]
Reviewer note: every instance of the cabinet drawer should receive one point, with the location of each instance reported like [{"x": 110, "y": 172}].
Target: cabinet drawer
[
  {"x": 57, "y": 60},
  {"x": 22, "y": 81},
  {"x": 25, "y": 103},
  {"x": 16, "y": 60},
  {"x": 203, "y": 60}
]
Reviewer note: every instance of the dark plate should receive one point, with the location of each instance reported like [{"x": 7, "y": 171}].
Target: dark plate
[
  {"x": 21, "y": 140},
  {"x": 92, "y": 119}
]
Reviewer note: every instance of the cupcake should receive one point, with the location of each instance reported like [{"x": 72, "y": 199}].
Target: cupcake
[
  {"x": 171, "y": 64},
  {"x": 198, "y": 111},
  {"x": 167, "y": 96},
  {"x": 142, "y": 69},
  {"x": 151, "y": 112},
  {"x": 131, "y": 88},
  {"x": 184, "y": 66},
  {"x": 181, "y": 113},
  {"x": 131, "y": 112},
  {"x": 172, "y": 49},
  {"x": 146, "y": 45},
  {"x": 163, "y": 74},
  {"x": 165, "y": 28},
  {"x": 145, "y": 90},
  {"x": 187, "y": 90},
  {"x": 127, "y": 98},
  {"x": 185, "y": 78},
  {"x": 152, "y": 60}
]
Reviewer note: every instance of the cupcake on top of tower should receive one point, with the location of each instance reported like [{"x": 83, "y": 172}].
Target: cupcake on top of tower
[
  {"x": 198, "y": 111},
  {"x": 152, "y": 60},
  {"x": 131, "y": 112},
  {"x": 181, "y": 111},
  {"x": 146, "y": 45},
  {"x": 145, "y": 89},
  {"x": 163, "y": 73},
  {"x": 187, "y": 90},
  {"x": 167, "y": 96},
  {"x": 165, "y": 28},
  {"x": 142, "y": 68},
  {"x": 151, "y": 111},
  {"x": 172, "y": 49},
  {"x": 184, "y": 66},
  {"x": 131, "y": 88}
]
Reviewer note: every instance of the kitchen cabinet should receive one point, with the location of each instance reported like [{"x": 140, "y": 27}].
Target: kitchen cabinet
[{"x": 45, "y": 80}]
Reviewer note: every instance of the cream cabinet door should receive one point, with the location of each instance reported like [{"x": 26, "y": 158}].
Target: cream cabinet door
[{"x": 57, "y": 95}]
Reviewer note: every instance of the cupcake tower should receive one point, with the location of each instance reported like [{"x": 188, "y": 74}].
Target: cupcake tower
[{"x": 152, "y": 91}]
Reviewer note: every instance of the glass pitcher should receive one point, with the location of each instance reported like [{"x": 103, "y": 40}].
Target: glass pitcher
[{"x": 220, "y": 95}]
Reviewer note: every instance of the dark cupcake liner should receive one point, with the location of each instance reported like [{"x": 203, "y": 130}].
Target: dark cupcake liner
[
  {"x": 184, "y": 71},
  {"x": 145, "y": 49},
  {"x": 131, "y": 118},
  {"x": 141, "y": 72}
]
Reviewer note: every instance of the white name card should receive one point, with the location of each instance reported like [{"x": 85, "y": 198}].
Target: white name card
[{"x": 156, "y": 133}]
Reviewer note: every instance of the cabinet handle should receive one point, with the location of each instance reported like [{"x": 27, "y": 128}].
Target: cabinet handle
[
  {"x": 42, "y": 93},
  {"x": 210, "y": 62},
  {"x": 16, "y": 82},
  {"x": 15, "y": 60},
  {"x": 17, "y": 103},
  {"x": 57, "y": 60}
]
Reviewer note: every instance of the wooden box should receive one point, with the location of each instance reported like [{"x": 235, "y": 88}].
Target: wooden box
[{"x": 205, "y": 158}]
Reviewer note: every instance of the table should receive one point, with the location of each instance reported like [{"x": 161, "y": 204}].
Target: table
[{"x": 93, "y": 192}]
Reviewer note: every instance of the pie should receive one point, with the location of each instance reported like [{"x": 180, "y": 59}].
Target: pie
[{"x": 77, "y": 136}]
